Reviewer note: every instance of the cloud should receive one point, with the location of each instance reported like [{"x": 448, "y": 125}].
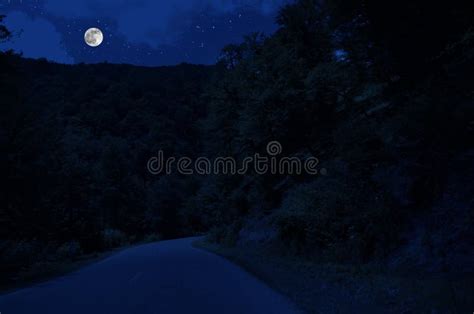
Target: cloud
[
  {"x": 35, "y": 37},
  {"x": 154, "y": 22}
]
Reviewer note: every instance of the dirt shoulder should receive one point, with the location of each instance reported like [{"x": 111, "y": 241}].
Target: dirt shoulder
[
  {"x": 44, "y": 271},
  {"x": 329, "y": 288}
]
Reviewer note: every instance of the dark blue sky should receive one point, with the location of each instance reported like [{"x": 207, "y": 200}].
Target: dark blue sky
[{"x": 143, "y": 32}]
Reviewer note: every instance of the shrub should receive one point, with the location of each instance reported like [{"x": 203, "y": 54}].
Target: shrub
[
  {"x": 69, "y": 250},
  {"x": 308, "y": 215},
  {"x": 152, "y": 237},
  {"x": 225, "y": 235},
  {"x": 20, "y": 253},
  {"x": 113, "y": 238},
  {"x": 342, "y": 219}
]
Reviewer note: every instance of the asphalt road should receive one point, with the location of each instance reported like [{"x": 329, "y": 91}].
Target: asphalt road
[{"x": 159, "y": 278}]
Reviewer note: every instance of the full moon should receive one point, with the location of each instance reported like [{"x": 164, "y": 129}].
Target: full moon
[{"x": 93, "y": 37}]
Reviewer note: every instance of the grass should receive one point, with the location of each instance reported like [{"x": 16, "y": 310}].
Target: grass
[
  {"x": 333, "y": 288},
  {"x": 44, "y": 271}
]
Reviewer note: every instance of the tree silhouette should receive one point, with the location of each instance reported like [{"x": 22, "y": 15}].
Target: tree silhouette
[{"x": 4, "y": 32}]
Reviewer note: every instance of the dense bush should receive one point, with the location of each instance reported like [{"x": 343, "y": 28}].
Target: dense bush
[
  {"x": 69, "y": 250},
  {"x": 113, "y": 238},
  {"x": 384, "y": 124}
]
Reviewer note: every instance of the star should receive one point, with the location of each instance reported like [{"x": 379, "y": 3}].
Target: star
[{"x": 204, "y": 30}]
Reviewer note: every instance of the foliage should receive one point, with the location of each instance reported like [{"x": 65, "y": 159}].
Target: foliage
[
  {"x": 4, "y": 32},
  {"x": 113, "y": 238},
  {"x": 69, "y": 250},
  {"x": 384, "y": 120},
  {"x": 74, "y": 144}
]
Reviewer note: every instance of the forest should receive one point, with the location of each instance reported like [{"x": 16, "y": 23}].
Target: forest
[{"x": 380, "y": 92}]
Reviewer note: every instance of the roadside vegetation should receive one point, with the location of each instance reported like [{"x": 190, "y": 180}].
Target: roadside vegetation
[{"x": 380, "y": 93}]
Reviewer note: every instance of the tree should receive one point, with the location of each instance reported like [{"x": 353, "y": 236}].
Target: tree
[{"x": 4, "y": 32}]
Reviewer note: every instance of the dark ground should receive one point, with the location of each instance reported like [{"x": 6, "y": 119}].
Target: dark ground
[{"x": 333, "y": 288}]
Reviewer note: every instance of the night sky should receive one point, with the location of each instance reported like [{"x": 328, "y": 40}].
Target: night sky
[{"x": 141, "y": 32}]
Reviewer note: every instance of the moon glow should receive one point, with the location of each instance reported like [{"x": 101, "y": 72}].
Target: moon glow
[{"x": 93, "y": 37}]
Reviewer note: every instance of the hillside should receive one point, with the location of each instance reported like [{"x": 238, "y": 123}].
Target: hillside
[
  {"x": 392, "y": 131},
  {"x": 75, "y": 141}
]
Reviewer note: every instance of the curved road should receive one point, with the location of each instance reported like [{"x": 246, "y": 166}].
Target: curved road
[{"x": 168, "y": 277}]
